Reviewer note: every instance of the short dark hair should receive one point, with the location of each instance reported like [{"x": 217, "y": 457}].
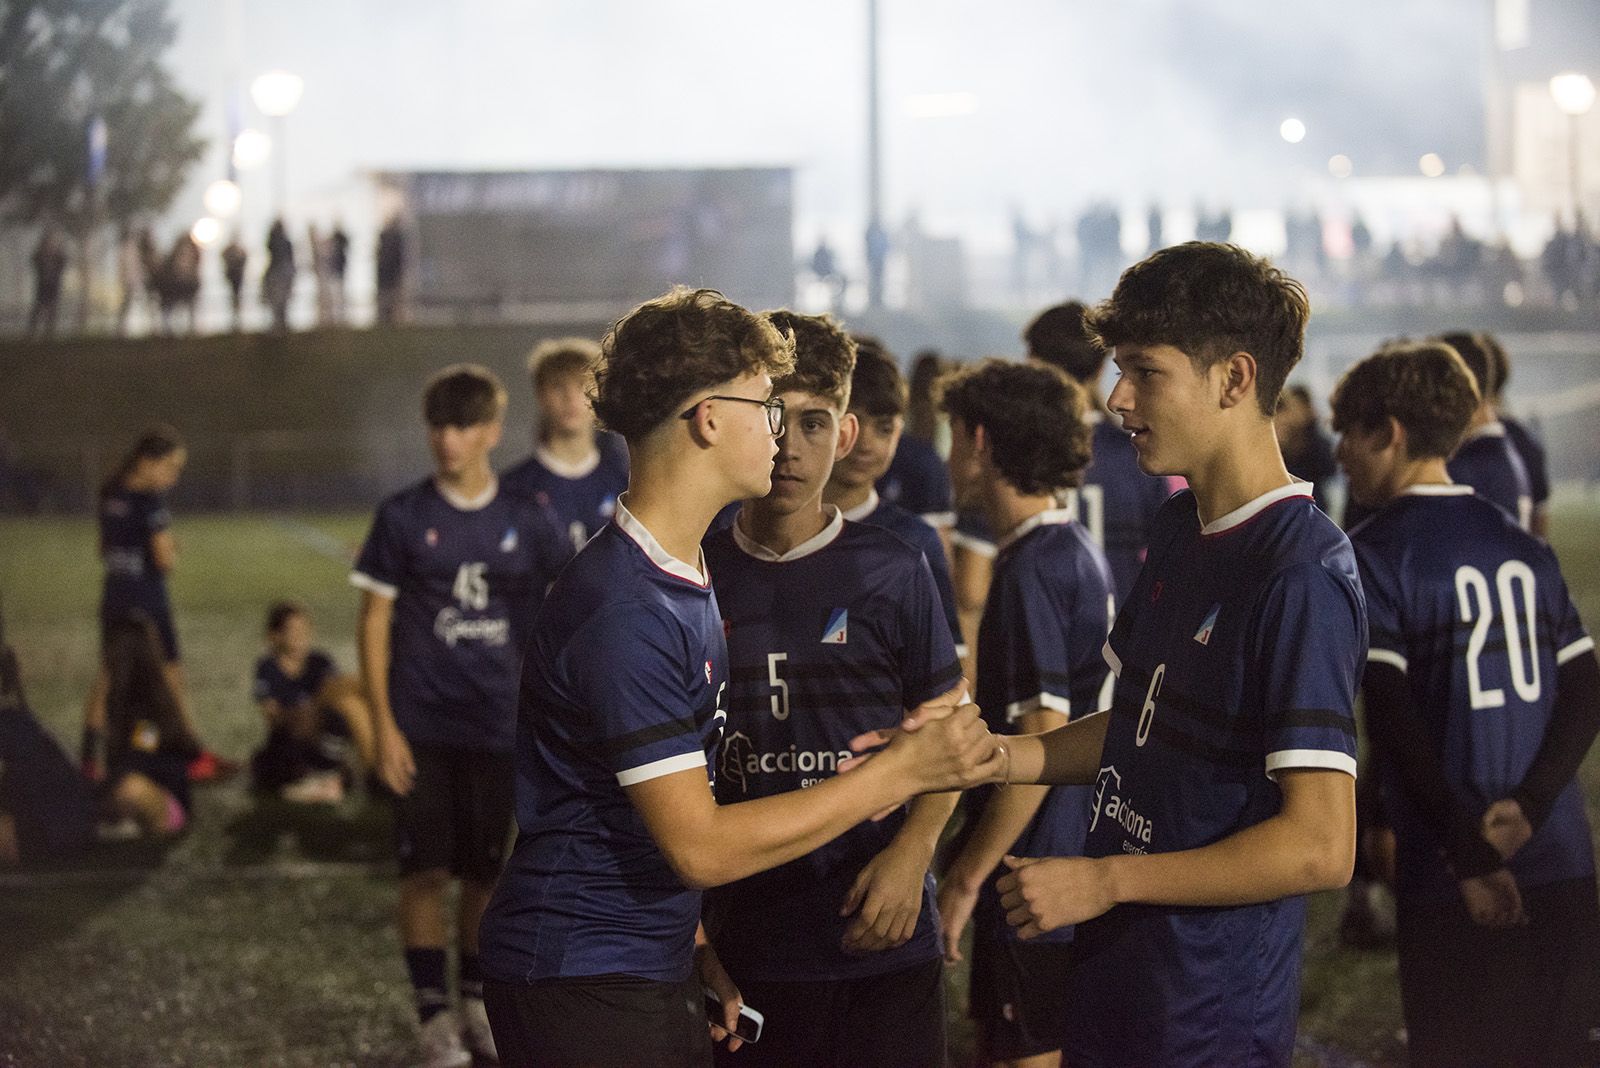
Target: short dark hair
[
  {"x": 876, "y": 387},
  {"x": 1300, "y": 392},
  {"x": 1476, "y": 355},
  {"x": 463, "y": 394},
  {"x": 1058, "y": 337},
  {"x": 280, "y": 612},
  {"x": 1210, "y": 300},
  {"x": 1425, "y": 386},
  {"x": 1499, "y": 359},
  {"x": 824, "y": 356},
  {"x": 665, "y": 350},
  {"x": 1032, "y": 415},
  {"x": 562, "y": 357}
]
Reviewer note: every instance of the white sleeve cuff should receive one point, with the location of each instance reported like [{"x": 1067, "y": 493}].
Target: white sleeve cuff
[
  {"x": 938, "y": 520},
  {"x": 363, "y": 581},
  {"x": 1578, "y": 648},
  {"x": 1386, "y": 656},
  {"x": 1112, "y": 659},
  {"x": 1017, "y": 709},
  {"x": 1293, "y": 759},
  {"x": 657, "y": 768}
]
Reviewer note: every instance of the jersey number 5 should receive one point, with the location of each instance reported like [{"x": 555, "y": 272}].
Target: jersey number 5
[
  {"x": 1472, "y": 590},
  {"x": 780, "y": 700}
]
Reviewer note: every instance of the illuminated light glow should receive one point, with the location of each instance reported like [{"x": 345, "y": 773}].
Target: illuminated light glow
[
  {"x": 1572, "y": 92},
  {"x": 1431, "y": 165},
  {"x": 206, "y": 232},
  {"x": 277, "y": 92},
  {"x": 1340, "y": 166},
  {"x": 941, "y": 105},
  {"x": 222, "y": 198},
  {"x": 251, "y": 149},
  {"x": 1292, "y": 131}
]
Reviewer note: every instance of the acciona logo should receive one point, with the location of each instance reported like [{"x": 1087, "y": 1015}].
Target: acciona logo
[
  {"x": 1109, "y": 802},
  {"x": 742, "y": 762}
]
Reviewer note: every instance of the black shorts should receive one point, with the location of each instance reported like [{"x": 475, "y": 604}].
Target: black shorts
[
  {"x": 600, "y": 1022},
  {"x": 1018, "y": 996},
  {"x": 1522, "y": 995},
  {"x": 894, "y": 1020},
  {"x": 159, "y": 614},
  {"x": 458, "y": 814}
]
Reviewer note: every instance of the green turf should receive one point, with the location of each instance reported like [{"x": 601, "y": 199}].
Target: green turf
[{"x": 264, "y": 936}]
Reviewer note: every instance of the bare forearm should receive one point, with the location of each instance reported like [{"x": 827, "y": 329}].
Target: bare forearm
[
  {"x": 1004, "y": 818},
  {"x": 926, "y": 819},
  {"x": 1065, "y": 756},
  {"x": 372, "y": 641}
]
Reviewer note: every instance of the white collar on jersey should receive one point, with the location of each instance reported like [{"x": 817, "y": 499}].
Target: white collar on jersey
[
  {"x": 469, "y": 504},
  {"x": 806, "y": 548},
  {"x": 1437, "y": 489},
  {"x": 1048, "y": 517},
  {"x": 1249, "y": 511},
  {"x": 864, "y": 509},
  {"x": 567, "y": 468},
  {"x": 629, "y": 524},
  {"x": 1492, "y": 429}
]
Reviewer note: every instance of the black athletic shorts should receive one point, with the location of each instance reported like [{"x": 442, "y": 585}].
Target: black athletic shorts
[
  {"x": 616, "y": 1021},
  {"x": 894, "y": 1020},
  {"x": 158, "y": 611},
  {"x": 458, "y": 814},
  {"x": 1503, "y": 996},
  {"x": 1017, "y": 996}
]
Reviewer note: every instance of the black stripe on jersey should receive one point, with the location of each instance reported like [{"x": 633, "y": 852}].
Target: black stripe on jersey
[
  {"x": 1059, "y": 678},
  {"x": 1171, "y": 697},
  {"x": 1320, "y": 717},
  {"x": 623, "y": 743},
  {"x": 1457, "y": 631},
  {"x": 1199, "y": 748}
]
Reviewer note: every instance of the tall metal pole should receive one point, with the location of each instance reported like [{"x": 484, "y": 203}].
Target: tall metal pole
[
  {"x": 280, "y": 192},
  {"x": 876, "y": 237},
  {"x": 1577, "y": 183}
]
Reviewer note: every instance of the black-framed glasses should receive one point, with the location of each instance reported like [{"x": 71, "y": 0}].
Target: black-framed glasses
[{"x": 774, "y": 409}]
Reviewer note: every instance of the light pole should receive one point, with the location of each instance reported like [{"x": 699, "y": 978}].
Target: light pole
[
  {"x": 276, "y": 93},
  {"x": 1574, "y": 95}
]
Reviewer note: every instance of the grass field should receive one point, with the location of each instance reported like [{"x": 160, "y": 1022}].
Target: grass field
[{"x": 264, "y": 937}]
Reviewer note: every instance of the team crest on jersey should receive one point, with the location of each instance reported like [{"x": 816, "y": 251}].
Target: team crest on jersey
[
  {"x": 837, "y": 632},
  {"x": 431, "y": 537},
  {"x": 1203, "y": 635},
  {"x": 508, "y": 543},
  {"x": 608, "y": 507},
  {"x": 708, "y": 673}
]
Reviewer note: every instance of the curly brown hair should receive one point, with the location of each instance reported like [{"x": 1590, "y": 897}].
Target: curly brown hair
[
  {"x": 1210, "y": 300},
  {"x": 1426, "y": 386},
  {"x": 1033, "y": 416},
  {"x": 824, "y": 356},
  {"x": 876, "y": 386},
  {"x": 667, "y": 349}
]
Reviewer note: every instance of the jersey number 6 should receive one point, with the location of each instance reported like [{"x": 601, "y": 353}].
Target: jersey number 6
[{"x": 1148, "y": 712}]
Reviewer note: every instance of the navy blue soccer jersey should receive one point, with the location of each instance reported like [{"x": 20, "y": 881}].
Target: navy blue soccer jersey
[
  {"x": 1039, "y": 647},
  {"x": 1117, "y": 503},
  {"x": 1487, "y": 462},
  {"x": 916, "y": 532},
  {"x": 972, "y": 533},
  {"x": 1237, "y": 656},
  {"x": 623, "y": 682},
  {"x": 1532, "y": 454},
  {"x": 581, "y": 497},
  {"x": 1476, "y": 614},
  {"x": 466, "y": 580},
  {"x": 292, "y": 691},
  {"x": 919, "y": 482},
  {"x": 128, "y": 520},
  {"x": 838, "y": 636}
]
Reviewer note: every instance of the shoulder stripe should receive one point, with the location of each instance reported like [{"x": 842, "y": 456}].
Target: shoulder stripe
[
  {"x": 363, "y": 581},
  {"x": 1017, "y": 709},
  {"x": 623, "y": 743},
  {"x": 1578, "y": 648},
  {"x": 1292, "y": 759},
  {"x": 1112, "y": 659},
  {"x": 1386, "y": 656},
  {"x": 657, "y": 768}
]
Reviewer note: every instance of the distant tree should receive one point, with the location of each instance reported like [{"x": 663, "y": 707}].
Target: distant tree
[{"x": 62, "y": 64}]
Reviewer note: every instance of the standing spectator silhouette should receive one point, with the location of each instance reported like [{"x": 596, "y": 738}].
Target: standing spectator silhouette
[
  {"x": 178, "y": 282},
  {"x": 338, "y": 262},
  {"x": 131, "y": 276},
  {"x": 234, "y": 259},
  {"x": 278, "y": 281},
  {"x": 391, "y": 271},
  {"x": 49, "y": 264}
]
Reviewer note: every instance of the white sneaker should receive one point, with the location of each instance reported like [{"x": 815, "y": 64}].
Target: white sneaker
[
  {"x": 441, "y": 1043},
  {"x": 475, "y": 1028},
  {"x": 317, "y": 788}
]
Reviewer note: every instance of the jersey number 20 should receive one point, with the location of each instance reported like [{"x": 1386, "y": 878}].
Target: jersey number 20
[{"x": 1477, "y": 608}]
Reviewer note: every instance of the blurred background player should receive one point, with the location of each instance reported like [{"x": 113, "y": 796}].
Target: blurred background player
[
  {"x": 1307, "y": 449},
  {"x": 148, "y": 744},
  {"x": 315, "y": 714},
  {"x": 833, "y": 628},
  {"x": 878, "y": 403},
  {"x": 576, "y": 471},
  {"x": 139, "y": 552},
  {"x": 1482, "y": 694},
  {"x": 1485, "y": 459},
  {"x": 590, "y": 944},
  {"x": 917, "y": 479},
  {"x": 1117, "y": 502},
  {"x": 451, "y": 575},
  {"x": 1527, "y": 447},
  {"x": 1019, "y": 435}
]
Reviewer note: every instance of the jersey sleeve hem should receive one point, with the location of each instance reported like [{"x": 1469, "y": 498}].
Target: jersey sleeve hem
[
  {"x": 1291, "y": 759},
  {"x": 363, "y": 581},
  {"x": 1055, "y": 703},
  {"x": 1114, "y": 661},
  {"x": 976, "y": 546},
  {"x": 1583, "y": 645},
  {"x": 655, "y": 769},
  {"x": 938, "y": 520},
  {"x": 1387, "y": 656}
]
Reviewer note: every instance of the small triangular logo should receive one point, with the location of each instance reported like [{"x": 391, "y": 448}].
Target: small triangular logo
[
  {"x": 1203, "y": 635},
  {"x": 837, "y": 632}
]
